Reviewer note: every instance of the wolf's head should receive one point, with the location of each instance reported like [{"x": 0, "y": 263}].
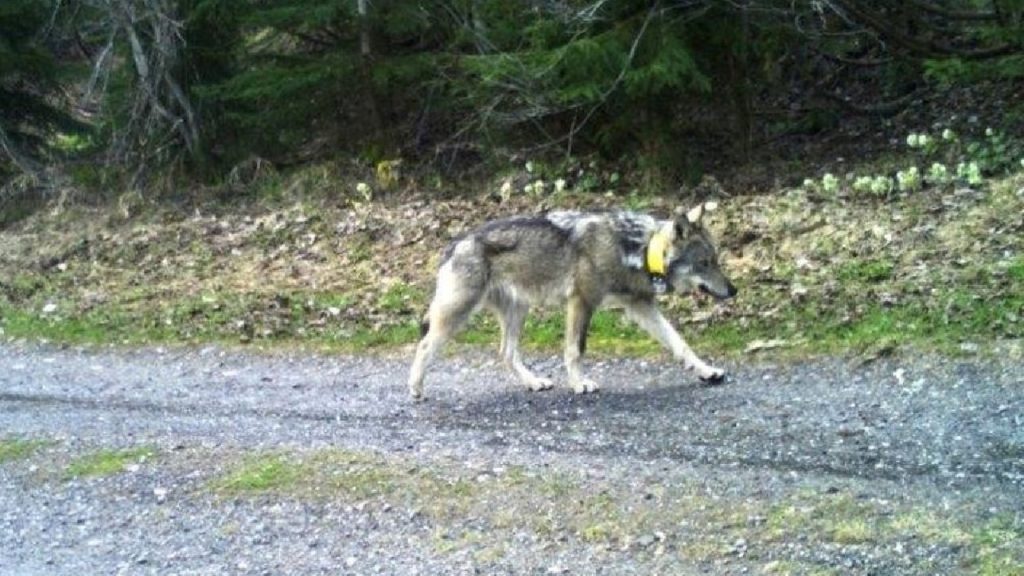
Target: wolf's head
[{"x": 691, "y": 259}]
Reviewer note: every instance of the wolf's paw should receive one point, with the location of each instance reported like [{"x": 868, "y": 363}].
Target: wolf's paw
[
  {"x": 538, "y": 384},
  {"x": 584, "y": 386},
  {"x": 711, "y": 375},
  {"x": 416, "y": 391}
]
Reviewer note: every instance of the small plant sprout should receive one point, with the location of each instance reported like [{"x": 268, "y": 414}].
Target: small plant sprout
[
  {"x": 881, "y": 185},
  {"x": 948, "y": 135},
  {"x": 560, "y": 185},
  {"x": 909, "y": 180},
  {"x": 938, "y": 174},
  {"x": 538, "y": 187},
  {"x": 989, "y": 132},
  {"x": 969, "y": 172},
  {"x": 364, "y": 190},
  {"x": 912, "y": 140},
  {"x": 506, "y": 190},
  {"x": 829, "y": 183},
  {"x": 530, "y": 167},
  {"x": 863, "y": 184}
]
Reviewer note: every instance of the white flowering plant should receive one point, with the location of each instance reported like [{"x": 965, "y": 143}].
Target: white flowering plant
[
  {"x": 970, "y": 172},
  {"x": 938, "y": 174},
  {"x": 909, "y": 180},
  {"x": 937, "y": 156},
  {"x": 829, "y": 183},
  {"x": 535, "y": 188},
  {"x": 863, "y": 184},
  {"x": 922, "y": 142},
  {"x": 881, "y": 185},
  {"x": 364, "y": 191},
  {"x": 506, "y": 190},
  {"x": 996, "y": 152}
]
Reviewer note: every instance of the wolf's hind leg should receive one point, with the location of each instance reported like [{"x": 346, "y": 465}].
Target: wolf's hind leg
[
  {"x": 453, "y": 304},
  {"x": 511, "y": 315},
  {"x": 648, "y": 317}
]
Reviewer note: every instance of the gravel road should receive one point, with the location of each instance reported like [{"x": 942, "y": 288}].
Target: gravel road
[{"x": 905, "y": 465}]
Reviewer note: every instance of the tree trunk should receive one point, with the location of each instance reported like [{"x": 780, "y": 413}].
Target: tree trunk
[
  {"x": 739, "y": 85},
  {"x": 366, "y": 53}
]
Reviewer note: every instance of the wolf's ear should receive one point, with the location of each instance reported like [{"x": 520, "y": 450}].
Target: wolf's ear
[
  {"x": 697, "y": 214},
  {"x": 694, "y": 216}
]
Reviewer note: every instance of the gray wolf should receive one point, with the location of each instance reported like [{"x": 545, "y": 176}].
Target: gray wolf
[{"x": 584, "y": 260}]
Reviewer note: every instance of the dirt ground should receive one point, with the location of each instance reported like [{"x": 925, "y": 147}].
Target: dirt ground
[{"x": 292, "y": 463}]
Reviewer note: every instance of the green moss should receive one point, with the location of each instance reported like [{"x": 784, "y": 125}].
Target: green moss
[
  {"x": 107, "y": 462},
  {"x": 261, "y": 473},
  {"x": 18, "y": 448},
  {"x": 343, "y": 474}
]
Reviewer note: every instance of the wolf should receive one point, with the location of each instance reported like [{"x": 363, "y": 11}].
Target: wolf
[{"x": 583, "y": 260}]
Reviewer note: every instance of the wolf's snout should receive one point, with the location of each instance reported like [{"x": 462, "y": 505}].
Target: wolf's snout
[{"x": 730, "y": 291}]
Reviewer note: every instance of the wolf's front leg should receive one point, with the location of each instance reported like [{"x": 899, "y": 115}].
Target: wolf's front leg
[
  {"x": 511, "y": 317},
  {"x": 577, "y": 320},
  {"x": 648, "y": 317}
]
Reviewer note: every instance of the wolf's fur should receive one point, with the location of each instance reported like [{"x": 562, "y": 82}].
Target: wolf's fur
[{"x": 581, "y": 259}]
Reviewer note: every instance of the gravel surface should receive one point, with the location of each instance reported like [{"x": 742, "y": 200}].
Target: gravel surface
[{"x": 907, "y": 465}]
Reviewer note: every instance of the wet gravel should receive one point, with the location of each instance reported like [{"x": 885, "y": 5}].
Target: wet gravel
[{"x": 919, "y": 431}]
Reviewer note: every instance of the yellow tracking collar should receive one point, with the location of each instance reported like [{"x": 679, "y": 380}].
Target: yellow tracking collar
[{"x": 657, "y": 248}]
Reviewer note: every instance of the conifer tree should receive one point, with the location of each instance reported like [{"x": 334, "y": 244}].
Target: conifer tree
[{"x": 32, "y": 109}]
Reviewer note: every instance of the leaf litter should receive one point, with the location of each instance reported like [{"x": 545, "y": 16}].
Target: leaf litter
[{"x": 333, "y": 264}]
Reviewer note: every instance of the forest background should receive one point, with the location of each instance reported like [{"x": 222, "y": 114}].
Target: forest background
[{"x": 155, "y": 153}]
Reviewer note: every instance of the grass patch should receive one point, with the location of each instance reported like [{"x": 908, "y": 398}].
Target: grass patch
[
  {"x": 809, "y": 330},
  {"x": 868, "y": 271},
  {"x": 107, "y": 462},
  {"x": 345, "y": 475},
  {"x": 401, "y": 298},
  {"x": 18, "y": 448},
  {"x": 794, "y": 568},
  {"x": 147, "y": 316},
  {"x": 836, "y": 518},
  {"x": 854, "y": 531},
  {"x": 1016, "y": 270},
  {"x": 690, "y": 520},
  {"x": 927, "y": 526},
  {"x": 610, "y": 334},
  {"x": 260, "y": 474},
  {"x": 369, "y": 338},
  {"x": 998, "y": 548}
]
